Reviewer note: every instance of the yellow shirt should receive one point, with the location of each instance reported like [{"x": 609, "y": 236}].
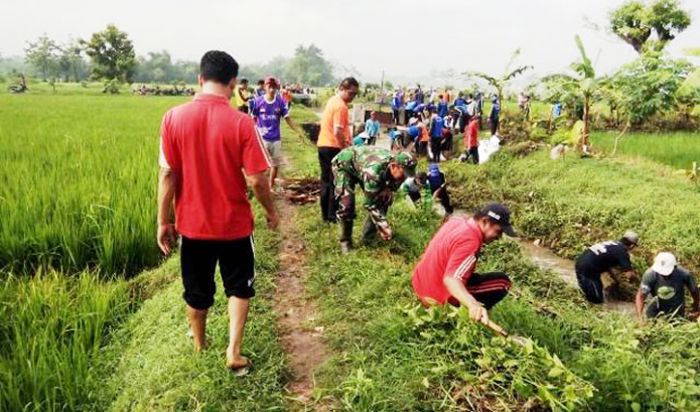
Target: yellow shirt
[{"x": 236, "y": 99}]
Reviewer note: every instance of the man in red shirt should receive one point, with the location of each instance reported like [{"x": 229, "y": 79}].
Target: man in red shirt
[
  {"x": 445, "y": 273},
  {"x": 206, "y": 146},
  {"x": 471, "y": 141}
]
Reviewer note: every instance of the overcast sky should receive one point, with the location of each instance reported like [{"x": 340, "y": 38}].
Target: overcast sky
[{"x": 408, "y": 39}]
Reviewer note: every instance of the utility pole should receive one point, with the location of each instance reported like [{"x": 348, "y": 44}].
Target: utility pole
[{"x": 381, "y": 92}]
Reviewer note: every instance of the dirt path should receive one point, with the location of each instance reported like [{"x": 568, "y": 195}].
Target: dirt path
[{"x": 301, "y": 339}]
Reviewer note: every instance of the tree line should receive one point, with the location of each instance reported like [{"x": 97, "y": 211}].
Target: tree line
[{"x": 109, "y": 55}]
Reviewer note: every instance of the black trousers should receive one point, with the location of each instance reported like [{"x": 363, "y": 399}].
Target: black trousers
[
  {"x": 444, "y": 197},
  {"x": 328, "y": 207},
  {"x": 590, "y": 283},
  {"x": 395, "y": 116},
  {"x": 494, "y": 125},
  {"x": 473, "y": 155},
  {"x": 436, "y": 148},
  {"x": 488, "y": 288},
  {"x": 407, "y": 116}
]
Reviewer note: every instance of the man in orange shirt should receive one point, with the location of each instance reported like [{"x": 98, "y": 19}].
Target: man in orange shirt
[{"x": 334, "y": 136}]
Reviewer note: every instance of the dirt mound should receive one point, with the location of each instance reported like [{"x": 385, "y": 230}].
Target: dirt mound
[{"x": 301, "y": 191}]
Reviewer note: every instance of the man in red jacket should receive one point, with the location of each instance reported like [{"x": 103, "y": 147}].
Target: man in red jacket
[
  {"x": 445, "y": 273},
  {"x": 471, "y": 141},
  {"x": 206, "y": 146}
]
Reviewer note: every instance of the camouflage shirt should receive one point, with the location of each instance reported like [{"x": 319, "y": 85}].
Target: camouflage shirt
[{"x": 368, "y": 166}]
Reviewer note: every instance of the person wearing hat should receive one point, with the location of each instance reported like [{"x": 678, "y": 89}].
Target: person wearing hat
[
  {"x": 665, "y": 281},
  {"x": 268, "y": 110},
  {"x": 446, "y": 271},
  {"x": 379, "y": 173},
  {"x": 432, "y": 184},
  {"x": 603, "y": 257}
]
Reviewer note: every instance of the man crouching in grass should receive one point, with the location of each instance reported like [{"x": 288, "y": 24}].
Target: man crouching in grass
[
  {"x": 445, "y": 273},
  {"x": 206, "y": 146}
]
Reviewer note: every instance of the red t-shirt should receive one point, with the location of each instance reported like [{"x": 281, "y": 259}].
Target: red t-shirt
[
  {"x": 471, "y": 135},
  {"x": 208, "y": 145},
  {"x": 451, "y": 252}
]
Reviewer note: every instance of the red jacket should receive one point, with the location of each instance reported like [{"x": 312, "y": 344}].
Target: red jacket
[{"x": 471, "y": 134}]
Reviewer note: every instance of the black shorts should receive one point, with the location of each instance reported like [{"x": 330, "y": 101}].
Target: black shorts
[{"x": 198, "y": 261}]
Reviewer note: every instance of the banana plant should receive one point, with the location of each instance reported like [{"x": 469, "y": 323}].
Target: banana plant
[
  {"x": 583, "y": 87},
  {"x": 499, "y": 83}
]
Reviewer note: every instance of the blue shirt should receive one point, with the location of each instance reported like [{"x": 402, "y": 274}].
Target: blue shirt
[
  {"x": 442, "y": 109},
  {"x": 267, "y": 116},
  {"x": 436, "y": 179},
  {"x": 411, "y": 105},
  {"x": 556, "y": 110},
  {"x": 495, "y": 109},
  {"x": 413, "y": 131},
  {"x": 397, "y": 101},
  {"x": 372, "y": 127},
  {"x": 460, "y": 101},
  {"x": 436, "y": 127},
  {"x": 420, "y": 97}
]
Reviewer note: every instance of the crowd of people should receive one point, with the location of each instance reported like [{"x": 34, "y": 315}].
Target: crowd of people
[
  {"x": 244, "y": 96},
  {"x": 431, "y": 120},
  {"x": 156, "y": 90},
  {"x": 210, "y": 151}
]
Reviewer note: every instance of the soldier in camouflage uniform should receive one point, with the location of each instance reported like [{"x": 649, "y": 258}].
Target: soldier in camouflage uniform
[{"x": 379, "y": 173}]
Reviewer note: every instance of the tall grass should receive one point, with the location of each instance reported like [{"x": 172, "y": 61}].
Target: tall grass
[
  {"x": 78, "y": 182},
  {"x": 74, "y": 343},
  {"x": 678, "y": 150},
  {"x": 52, "y": 331}
]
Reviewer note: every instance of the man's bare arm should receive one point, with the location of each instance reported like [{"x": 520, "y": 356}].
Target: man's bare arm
[
  {"x": 457, "y": 289},
  {"x": 639, "y": 304},
  {"x": 167, "y": 181},
  {"x": 261, "y": 189},
  {"x": 294, "y": 127},
  {"x": 340, "y": 136}
]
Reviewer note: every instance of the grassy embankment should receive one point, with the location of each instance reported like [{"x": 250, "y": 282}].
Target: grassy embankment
[{"x": 394, "y": 355}]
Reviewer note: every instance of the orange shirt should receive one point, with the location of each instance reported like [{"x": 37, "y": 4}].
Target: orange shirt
[
  {"x": 424, "y": 135},
  {"x": 336, "y": 114}
]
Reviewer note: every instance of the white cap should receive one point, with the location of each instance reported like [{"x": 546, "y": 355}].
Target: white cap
[
  {"x": 664, "y": 263},
  {"x": 632, "y": 236}
]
